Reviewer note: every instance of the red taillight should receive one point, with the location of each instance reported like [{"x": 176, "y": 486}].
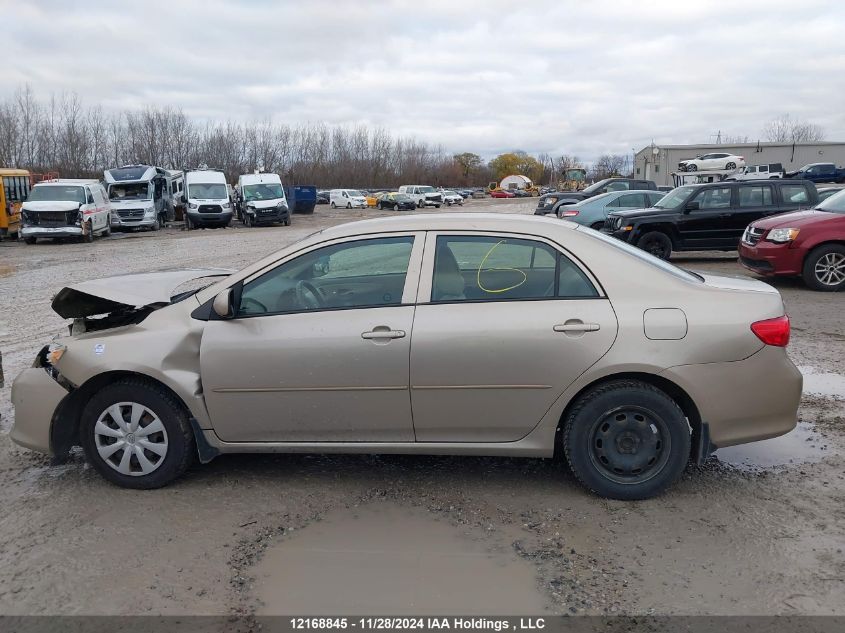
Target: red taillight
[
  {"x": 773, "y": 331},
  {"x": 569, "y": 213}
]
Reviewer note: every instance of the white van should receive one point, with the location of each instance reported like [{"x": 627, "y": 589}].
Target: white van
[
  {"x": 140, "y": 196},
  {"x": 208, "y": 200},
  {"x": 347, "y": 199},
  {"x": 261, "y": 200},
  {"x": 423, "y": 195},
  {"x": 65, "y": 208}
]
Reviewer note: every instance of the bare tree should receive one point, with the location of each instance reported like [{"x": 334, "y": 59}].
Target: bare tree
[{"x": 785, "y": 129}]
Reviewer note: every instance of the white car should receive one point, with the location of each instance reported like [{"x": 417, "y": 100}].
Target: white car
[
  {"x": 347, "y": 199},
  {"x": 66, "y": 208},
  {"x": 423, "y": 195},
  {"x": 452, "y": 197},
  {"x": 712, "y": 161},
  {"x": 759, "y": 172}
]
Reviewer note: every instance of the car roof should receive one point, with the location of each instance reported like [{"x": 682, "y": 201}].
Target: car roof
[
  {"x": 68, "y": 181},
  {"x": 449, "y": 222}
]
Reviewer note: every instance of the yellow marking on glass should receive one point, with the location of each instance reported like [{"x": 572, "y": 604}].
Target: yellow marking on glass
[{"x": 481, "y": 268}]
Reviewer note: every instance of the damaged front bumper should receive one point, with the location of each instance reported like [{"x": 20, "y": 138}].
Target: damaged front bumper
[
  {"x": 58, "y": 231},
  {"x": 36, "y": 397}
]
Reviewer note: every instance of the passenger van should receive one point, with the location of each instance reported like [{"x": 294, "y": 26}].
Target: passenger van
[
  {"x": 15, "y": 189},
  {"x": 66, "y": 208},
  {"x": 347, "y": 199},
  {"x": 207, "y": 195},
  {"x": 261, "y": 200},
  {"x": 140, "y": 196}
]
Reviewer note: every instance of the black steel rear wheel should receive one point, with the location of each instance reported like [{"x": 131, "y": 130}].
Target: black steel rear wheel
[{"x": 626, "y": 439}]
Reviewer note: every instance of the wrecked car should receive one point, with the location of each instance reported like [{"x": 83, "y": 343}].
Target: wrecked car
[{"x": 530, "y": 336}]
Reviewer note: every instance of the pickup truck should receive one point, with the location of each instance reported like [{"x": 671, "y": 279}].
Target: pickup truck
[
  {"x": 819, "y": 172},
  {"x": 548, "y": 202},
  {"x": 708, "y": 217}
]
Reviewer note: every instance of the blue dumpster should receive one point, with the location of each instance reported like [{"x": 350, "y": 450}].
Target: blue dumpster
[{"x": 301, "y": 198}]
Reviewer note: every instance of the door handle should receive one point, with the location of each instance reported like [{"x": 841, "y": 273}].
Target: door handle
[
  {"x": 382, "y": 332},
  {"x": 577, "y": 327}
]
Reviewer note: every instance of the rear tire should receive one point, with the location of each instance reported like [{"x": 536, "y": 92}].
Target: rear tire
[
  {"x": 333, "y": 205},
  {"x": 156, "y": 446},
  {"x": 627, "y": 440},
  {"x": 656, "y": 243},
  {"x": 824, "y": 268},
  {"x": 29, "y": 240}
]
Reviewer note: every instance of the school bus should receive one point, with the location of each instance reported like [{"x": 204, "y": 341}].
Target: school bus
[{"x": 16, "y": 184}]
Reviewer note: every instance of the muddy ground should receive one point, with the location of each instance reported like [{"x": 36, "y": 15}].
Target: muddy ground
[{"x": 762, "y": 534}]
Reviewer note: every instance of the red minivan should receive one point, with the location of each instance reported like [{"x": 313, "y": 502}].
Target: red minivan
[{"x": 810, "y": 244}]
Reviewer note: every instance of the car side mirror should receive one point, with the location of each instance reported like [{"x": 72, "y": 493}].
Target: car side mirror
[
  {"x": 692, "y": 206},
  {"x": 223, "y": 305}
]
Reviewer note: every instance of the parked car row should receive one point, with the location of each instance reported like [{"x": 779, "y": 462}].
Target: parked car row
[{"x": 146, "y": 197}]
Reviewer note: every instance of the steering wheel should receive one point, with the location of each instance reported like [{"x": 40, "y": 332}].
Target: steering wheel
[
  {"x": 245, "y": 301},
  {"x": 308, "y": 296}
]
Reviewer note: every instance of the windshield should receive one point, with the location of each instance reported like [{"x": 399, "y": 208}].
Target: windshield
[
  {"x": 426, "y": 189},
  {"x": 674, "y": 198},
  {"x": 207, "y": 191},
  {"x": 597, "y": 185},
  {"x": 263, "y": 191},
  {"x": 57, "y": 193},
  {"x": 354, "y": 193},
  {"x": 132, "y": 191},
  {"x": 834, "y": 204},
  {"x": 644, "y": 256}
]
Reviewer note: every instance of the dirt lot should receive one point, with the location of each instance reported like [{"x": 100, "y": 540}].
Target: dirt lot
[{"x": 289, "y": 534}]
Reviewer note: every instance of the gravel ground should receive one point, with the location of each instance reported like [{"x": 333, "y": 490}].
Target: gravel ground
[{"x": 725, "y": 540}]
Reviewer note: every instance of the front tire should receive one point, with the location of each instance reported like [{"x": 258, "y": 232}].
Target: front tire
[
  {"x": 656, "y": 243},
  {"x": 730, "y": 165},
  {"x": 824, "y": 268},
  {"x": 333, "y": 205},
  {"x": 136, "y": 434},
  {"x": 627, "y": 440},
  {"x": 396, "y": 207},
  {"x": 88, "y": 234},
  {"x": 692, "y": 167}
]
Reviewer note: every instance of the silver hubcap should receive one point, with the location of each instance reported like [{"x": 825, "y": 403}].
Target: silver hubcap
[
  {"x": 130, "y": 438},
  {"x": 830, "y": 269}
]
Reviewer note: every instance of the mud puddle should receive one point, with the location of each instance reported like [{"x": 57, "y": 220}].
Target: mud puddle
[
  {"x": 386, "y": 559},
  {"x": 803, "y": 445},
  {"x": 820, "y": 383}
]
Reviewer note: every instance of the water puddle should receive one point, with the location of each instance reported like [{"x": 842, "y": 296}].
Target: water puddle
[
  {"x": 803, "y": 445},
  {"x": 387, "y": 559},
  {"x": 6, "y": 270},
  {"x": 822, "y": 383}
]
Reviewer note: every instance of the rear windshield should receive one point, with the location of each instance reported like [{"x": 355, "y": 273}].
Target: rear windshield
[
  {"x": 207, "y": 191},
  {"x": 57, "y": 193},
  {"x": 645, "y": 257},
  {"x": 834, "y": 204}
]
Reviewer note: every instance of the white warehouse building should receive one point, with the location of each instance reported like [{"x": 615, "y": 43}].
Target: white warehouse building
[{"x": 657, "y": 162}]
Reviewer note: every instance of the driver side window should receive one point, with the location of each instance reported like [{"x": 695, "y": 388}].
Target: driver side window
[{"x": 359, "y": 274}]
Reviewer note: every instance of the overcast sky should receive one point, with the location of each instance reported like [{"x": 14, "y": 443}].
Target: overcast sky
[{"x": 584, "y": 77}]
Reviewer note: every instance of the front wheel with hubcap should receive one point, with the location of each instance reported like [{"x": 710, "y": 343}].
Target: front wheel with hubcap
[
  {"x": 824, "y": 268},
  {"x": 626, "y": 439},
  {"x": 730, "y": 165},
  {"x": 656, "y": 243},
  {"x": 136, "y": 434}
]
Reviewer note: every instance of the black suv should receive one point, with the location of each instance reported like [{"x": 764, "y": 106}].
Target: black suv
[
  {"x": 548, "y": 202},
  {"x": 708, "y": 217}
]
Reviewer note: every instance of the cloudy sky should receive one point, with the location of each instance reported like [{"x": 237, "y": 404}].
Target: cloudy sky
[{"x": 582, "y": 77}]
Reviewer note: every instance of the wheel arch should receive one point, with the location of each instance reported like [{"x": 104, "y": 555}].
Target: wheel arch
[
  {"x": 671, "y": 389},
  {"x": 824, "y": 242},
  {"x": 64, "y": 427},
  {"x": 669, "y": 230}
]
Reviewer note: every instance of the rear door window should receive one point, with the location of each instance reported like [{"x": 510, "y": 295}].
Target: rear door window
[
  {"x": 757, "y": 196},
  {"x": 493, "y": 268},
  {"x": 794, "y": 194}
]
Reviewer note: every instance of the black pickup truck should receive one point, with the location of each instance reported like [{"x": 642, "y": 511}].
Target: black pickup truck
[
  {"x": 707, "y": 217},
  {"x": 548, "y": 202}
]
